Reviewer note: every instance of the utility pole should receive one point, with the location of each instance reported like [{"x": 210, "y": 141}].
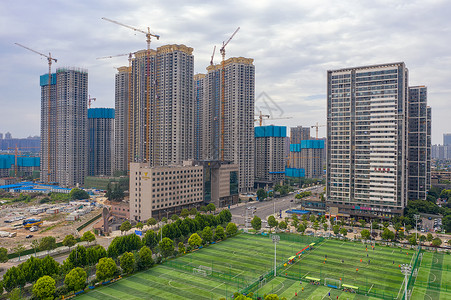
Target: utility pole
[
  {"x": 406, "y": 269},
  {"x": 275, "y": 240}
]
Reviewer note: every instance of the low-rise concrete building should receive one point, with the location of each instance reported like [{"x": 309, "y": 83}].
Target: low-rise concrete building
[{"x": 161, "y": 191}]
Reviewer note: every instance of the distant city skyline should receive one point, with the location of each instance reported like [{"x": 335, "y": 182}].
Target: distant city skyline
[{"x": 293, "y": 44}]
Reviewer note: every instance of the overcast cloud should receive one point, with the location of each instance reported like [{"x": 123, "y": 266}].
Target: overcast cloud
[{"x": 293, "y": 44}]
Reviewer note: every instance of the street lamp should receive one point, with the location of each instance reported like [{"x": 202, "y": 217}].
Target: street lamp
[
  {"x": 416, "y": 217},
  {"x": 406, "y": 270},
  {"x": 275, "y": 240}
]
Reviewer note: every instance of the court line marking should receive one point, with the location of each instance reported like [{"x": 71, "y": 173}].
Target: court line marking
[
  {"x": 370, "y": 288},
  {"x": 326, "y": 294}
]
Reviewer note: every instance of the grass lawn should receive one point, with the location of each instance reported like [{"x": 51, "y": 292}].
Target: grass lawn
[
  {"x": 378, "y": 269},
  {"x": 434, "y": 277},
  {"x": 239, "y": 261}
]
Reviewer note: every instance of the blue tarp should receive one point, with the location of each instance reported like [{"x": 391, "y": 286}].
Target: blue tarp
[
  {"x": 101, "y": 113},
  {"x": 7, "y": 161},
  {"x": 307, "y": 144},
  {"x": 44, "y": 79},
  {"x": 292, "y": 172},
  {"x": 270, "y": 131}
]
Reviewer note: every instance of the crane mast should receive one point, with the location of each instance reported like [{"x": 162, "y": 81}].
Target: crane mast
[
  {"x": 222, "y": 51},
  {"x": 49, "y": 59},
  {"x": 148, "y": 35}
]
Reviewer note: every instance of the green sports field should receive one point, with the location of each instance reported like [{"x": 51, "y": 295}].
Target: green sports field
[
  {"x": 332, "y": 260},
  {"x": 434, "y": 277},
  {"x": 220, "y": 270}
]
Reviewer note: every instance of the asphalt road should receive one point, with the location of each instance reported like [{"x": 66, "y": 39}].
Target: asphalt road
[{"x": 265, "y": 208}]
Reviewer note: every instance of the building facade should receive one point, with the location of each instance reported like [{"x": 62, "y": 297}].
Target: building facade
[
  {"x": 199, "y": 87},
  {"x": 162, "y": 106},
  {"x": 64, "y": 127},
  {"x": 101, "y": 138},
  {"x": 269, "y": 155},
  {"x": 419, "y": 138},
  {"x": 220, "y": 182},
  {"x": 121, "y": 125},
  {"x": 231, "y": 138},
  {"x": 367, "y": 114},
  {"x": 161, "y": 191}
]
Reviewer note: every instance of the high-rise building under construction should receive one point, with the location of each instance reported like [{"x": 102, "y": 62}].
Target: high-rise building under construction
[
  {"x": 64, "y": 127},
  {"x": 160, "y": 112},
  {"x": 236, "y": 123}
]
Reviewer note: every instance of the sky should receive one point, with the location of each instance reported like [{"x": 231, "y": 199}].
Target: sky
[{"x": 293, "y": 44}]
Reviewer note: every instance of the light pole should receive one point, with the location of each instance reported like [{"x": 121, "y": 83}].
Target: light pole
[
  {"x": 416, "y": 217},
  {"x": 275, "y": 240},
  {"x": 406, "y": 269}
]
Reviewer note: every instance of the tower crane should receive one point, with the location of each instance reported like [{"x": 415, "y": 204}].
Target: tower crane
[
  {"x": 49, "y": 125},
  {"x": 212, "y": 56},
  {"x": 317, "y": 126},
  {"x": 148, "y": 34},
  {"x": 90, "y": 100},
  {"x": 222, "y": 51},
  {"x": 261, "y": 116},
  {"x": 148, "y": 38}
]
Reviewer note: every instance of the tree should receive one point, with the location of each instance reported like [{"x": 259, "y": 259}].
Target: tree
[
  {"x": 44, "y": 288},
  {"x": 3, "y": 255},
  {"x": 325, "y": 227},
  {"x": 301, "y": 228},
  {"x": 184, "y": 213},
  {"x": 336, "y": 229},
  {"x": 195, "y": 240},
  {"x": 151, "y": 222},
  {"x": 365, "y": 233},
  {"x": 436, "y": 242},
  {"x": 50, "y": 266},
  {"x": 35, "y": 245},
  {"x": 387, "y": 234},
  {"x": 422, "y": 238},
  {"x": 13, "y": 277},
  {"x": 362, "y": 223},
  {"x": 105, "y": 268},
  {"x": 261, "y": 194},
  {"x": 413, "y": 240},
  {"x": 207, "y": 234},
  {"x": 283, "y": 225},
  {"x": 272, "y": 297},
  {"x": 272, "y": 222},
  {"x": 150, "y": 239},
  {"x": 19, "y": 249},
  {"x": 125, "y": 226},
  {"x": 94, "y": 254},
  {"x": 211, "y": 207},
  {"x": 78, "y": 257},
  {"x": 256, "y": 223},
  {"x": 446, "y": 221},
  {"x": 385, "y": 224},
  {"x": 181, "y": 247},
  {"x": 164, "y": 220},
  {"x": 343, "y": 231},
  {"x": 193, "y": 211},
  {"x": 429, "y": 237},
  {"x": 174, "y": 217},
  {"x": 127, "y": 261},
  {"x": 88, "y": 236},
  {"x": 139, "y": 225},
  {"x": 145, "y": 259},
  {"x": 78, "y": 194},
  {"x": 47, "y": 243},
  {"x": 315, "y": 226},
  {"x": 219, "y": 233},
  {"x": 231, "y": 229},
  {"x": 69, "y": 241},
  {"x": 167, "y": 247},
  {"x": 76, "y": 279},
  {"x": 312, "y": 218}
]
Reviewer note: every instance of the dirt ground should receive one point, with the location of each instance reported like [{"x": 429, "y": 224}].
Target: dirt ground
[{"x": 53, "y": 225}]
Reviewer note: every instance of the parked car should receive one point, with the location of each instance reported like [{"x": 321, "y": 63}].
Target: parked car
[{"x": 29, "y": 236}]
